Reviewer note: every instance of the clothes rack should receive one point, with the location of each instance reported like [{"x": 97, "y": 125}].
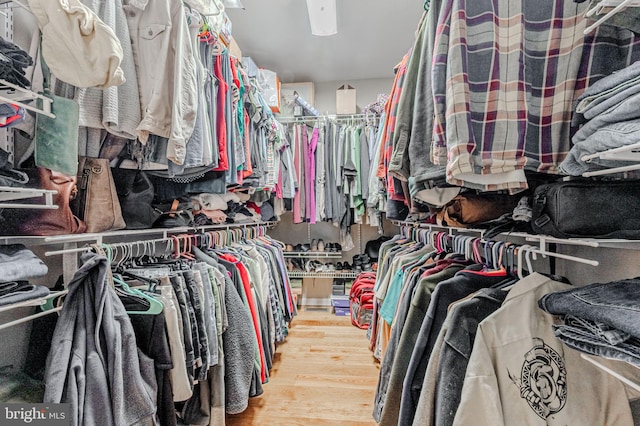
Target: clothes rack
[
  {"x": 329, "y": 117},
  {"x": 453, "y": 240},
  {"x": 168, "y": 237}
]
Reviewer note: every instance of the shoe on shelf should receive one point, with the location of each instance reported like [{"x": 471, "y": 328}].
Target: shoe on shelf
[
  {"x": 330, "y": 266},
  {"x": 305, "y": 247},
  {"x": 338, "y": 266},
  {"x": 288, "y": 247},
  {"x": 309, "y": 266},
  {"x": 297, "y": 263},
  {"x": 314, "y": 245},
  {"x": 338, "y": 247},
  {"x": 289, "y": 265},
  {"x": 321, "y": 246}
]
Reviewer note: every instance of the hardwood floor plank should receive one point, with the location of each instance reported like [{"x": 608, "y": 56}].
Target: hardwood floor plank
[{"x": 323, "y": 374}]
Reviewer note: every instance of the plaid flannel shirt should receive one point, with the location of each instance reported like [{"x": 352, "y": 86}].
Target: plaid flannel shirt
[{"x": 504, "y": 77}]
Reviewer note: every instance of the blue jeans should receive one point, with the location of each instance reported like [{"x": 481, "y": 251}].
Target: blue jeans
[
  {"x": 627, "y": 109},
  {"x": 616, "y": 304},
  {"x": 607, "y": 92},
  {"x": 610, "y": 136},
  {"x": 583, "y": 340}
]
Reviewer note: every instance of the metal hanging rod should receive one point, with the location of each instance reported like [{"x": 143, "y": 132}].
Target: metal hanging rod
[
  {"x": 167, "y": 237},
  {"x": 327, "y": 117},
  {"x": 542, "y": 240}
]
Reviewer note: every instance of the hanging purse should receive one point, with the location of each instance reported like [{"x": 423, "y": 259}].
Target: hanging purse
[
  {"x": 135, "y": 193},
  {"x": 97, "y": 201},
  {"x": 46, "y": 222},
  {"x": 56, "y": 139}
]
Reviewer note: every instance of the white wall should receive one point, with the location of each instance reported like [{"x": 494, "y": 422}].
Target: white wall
[{"x": 366, "y": 92}]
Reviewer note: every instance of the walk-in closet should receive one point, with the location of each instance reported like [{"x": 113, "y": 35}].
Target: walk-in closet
[{"x": 319, "y": 212}]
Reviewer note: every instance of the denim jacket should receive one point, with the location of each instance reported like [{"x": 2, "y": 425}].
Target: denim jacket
[{"x": 165, "y": 63}]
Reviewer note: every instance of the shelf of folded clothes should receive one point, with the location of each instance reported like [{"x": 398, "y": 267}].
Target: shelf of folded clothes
[
  {"x": 10, "y": 193},
  {"x": 14, "y": 94},
  {"x": 324, "y": 274},
  {"x": 313, "y": 254}
]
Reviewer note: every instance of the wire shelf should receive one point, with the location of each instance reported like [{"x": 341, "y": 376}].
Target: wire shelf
[
  {"x": 314, "y": 254},
  {"x": 328, "y": 274}
]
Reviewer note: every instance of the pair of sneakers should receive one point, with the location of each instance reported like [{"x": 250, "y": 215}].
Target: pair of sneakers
[
  {"x": 317, "y": 245},
  {"x": 343, "y": 266},
  {"x": 362, "y": 262}
]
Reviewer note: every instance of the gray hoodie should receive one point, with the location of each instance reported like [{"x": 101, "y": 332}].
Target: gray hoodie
[{"x": 94, "y": 362}]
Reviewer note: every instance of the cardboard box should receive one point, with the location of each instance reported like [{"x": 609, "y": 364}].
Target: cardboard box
[
  {"x": 346, "y": 100},
  {"x": 270, "y": 84}
]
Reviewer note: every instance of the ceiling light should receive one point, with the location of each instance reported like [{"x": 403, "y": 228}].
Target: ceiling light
[
  {"x": 232, "y": 4},
  {"x": 322, "y": 16}
]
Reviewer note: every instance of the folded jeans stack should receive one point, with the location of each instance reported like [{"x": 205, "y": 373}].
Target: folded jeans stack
[
  {"x": 609, "y": 118},
  {"x": 17, "y": 265},
  {"x": 599, "y": 319}
]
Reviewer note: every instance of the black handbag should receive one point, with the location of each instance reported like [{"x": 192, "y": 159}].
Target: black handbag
[
  {"x": 587, "y": 209},
  {"x": 135, "y": 192},
  {"x": 174, "y": 214}
]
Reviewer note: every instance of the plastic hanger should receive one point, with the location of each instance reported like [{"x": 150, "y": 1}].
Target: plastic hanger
[
  {"x": 155, "y": 306},
  {"x": 492, "y": 260},
  {"x": 527, "y": 251}
]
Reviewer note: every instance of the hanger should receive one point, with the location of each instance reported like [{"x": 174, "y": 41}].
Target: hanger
[
  {"x": 492, "y": 259},
  {"x": 622, "y": 5},
  {"x": 527, "y": 250},
  {"x": 155, "y": 306}
]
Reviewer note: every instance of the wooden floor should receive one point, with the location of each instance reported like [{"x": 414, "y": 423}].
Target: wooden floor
[{"x": 324, "y": 374}]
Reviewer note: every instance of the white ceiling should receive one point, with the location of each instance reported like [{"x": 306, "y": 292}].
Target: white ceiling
[{"x": 373, "y": 35}]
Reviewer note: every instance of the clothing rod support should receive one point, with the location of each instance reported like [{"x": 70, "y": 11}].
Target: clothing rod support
[
  {"x": 34, "y": 302},
  {"x": 30, "y": 318}
]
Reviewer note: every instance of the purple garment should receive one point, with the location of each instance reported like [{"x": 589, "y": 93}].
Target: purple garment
[
  {"x": 310, "y": 170},
  {"x": 308, "y": 182}
]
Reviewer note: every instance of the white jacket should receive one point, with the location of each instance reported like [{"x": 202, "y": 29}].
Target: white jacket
[
  {"x": 519, "y": 373},
  {"x": 166, "y": 70}
]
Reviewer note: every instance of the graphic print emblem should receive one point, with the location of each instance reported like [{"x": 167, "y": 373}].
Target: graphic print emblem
[{"x": 543, "y": 380}]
